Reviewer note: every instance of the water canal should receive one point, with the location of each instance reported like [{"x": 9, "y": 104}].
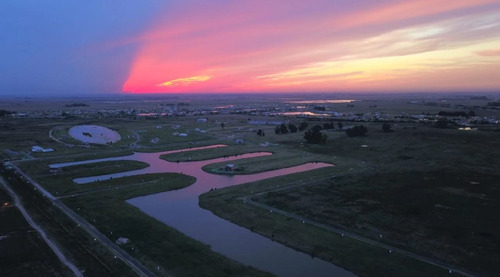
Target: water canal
[{"x": 180, "y": 210}]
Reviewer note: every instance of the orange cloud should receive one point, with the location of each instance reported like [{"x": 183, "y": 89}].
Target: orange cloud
[{"x": 185, "y": 81}]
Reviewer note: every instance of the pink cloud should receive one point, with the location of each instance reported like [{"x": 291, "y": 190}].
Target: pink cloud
[
  {"x": 489, "y": 53},
  {"x": 404, "y": 10}
]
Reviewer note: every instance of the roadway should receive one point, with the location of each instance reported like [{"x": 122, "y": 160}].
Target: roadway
[
  {"x": 59, "y": 253},
  {"x": 113, "y": 248}
]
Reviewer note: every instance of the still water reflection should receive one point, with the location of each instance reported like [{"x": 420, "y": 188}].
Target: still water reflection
[{"x": 179, "y": 209}]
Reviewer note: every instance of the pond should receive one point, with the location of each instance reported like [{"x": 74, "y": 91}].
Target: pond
[
  {"x": 180, "y": 210},
  {"x": 94, "y": 134}
]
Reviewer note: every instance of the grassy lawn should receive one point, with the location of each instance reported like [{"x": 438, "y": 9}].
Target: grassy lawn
[
  {"x": 207, "y": 154},
  {"x": 152, "y": 242},
  {"x": 449, "y": 216},
  {"x": 282, "y": 157}
]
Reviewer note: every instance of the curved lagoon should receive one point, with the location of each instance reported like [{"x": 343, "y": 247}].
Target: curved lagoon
[{"x": 179, "y": 209}]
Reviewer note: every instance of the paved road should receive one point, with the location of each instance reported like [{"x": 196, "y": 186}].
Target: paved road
[
  {"x": 391, "y": 249},
  {"x": 52, "y": 137},
  {"x": 115, "y": 249},
  {"x": 35, "y": 226}
]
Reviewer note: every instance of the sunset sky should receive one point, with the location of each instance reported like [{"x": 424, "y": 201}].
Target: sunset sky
[{"x": 79, "y": 47}]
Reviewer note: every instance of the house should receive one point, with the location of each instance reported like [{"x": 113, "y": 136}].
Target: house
[
  {"x": 183, "y": 135},
  {"x": 201, "y": 120},
  {"x": 121, "y": 241},
  {"x": 36, "y": 148},
  {"x": 39, "y": 149},
  {"x": 230, "y": 167}
]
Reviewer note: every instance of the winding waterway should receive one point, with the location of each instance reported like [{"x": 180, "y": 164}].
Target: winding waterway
[{"x": 180, "y": 210}]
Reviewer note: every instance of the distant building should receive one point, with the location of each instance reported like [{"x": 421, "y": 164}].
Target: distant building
[
  {"x": 36, "y": 148},
  {"x": 239, "y": 141},
  {"x": 201, "y": 120},
  {"x": 121, "y": 241},
  {"x": 39, "y": 149},
  {"x": 257, "y": 122}
]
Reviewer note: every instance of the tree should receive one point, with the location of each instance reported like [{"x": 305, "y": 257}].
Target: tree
[
  {"x": 302, "y": 126},
  {"x": 281, "y": 129},
  {"x": 386, "y": 127},
  {"x": 328, "y": 125},
  {"x": 292, "y": 128},
  {"x": 317, "y": 127},
  {"x": 315, "y": 136},
  {"x": 357, "y": 131},
  {"x": 442, "y": 123},
  {"x": 5, "y": 113},
  {"x": 340, "y": 125}
]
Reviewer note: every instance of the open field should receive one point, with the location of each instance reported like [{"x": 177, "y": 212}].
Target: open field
[
  {"x": 427, "y": 190},
  {"x": 359, "y": 257},
  {"x": 436, "y": 214}
]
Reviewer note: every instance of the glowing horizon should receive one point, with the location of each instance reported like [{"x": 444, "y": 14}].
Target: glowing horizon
[{"x": 319, "y": 46}]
